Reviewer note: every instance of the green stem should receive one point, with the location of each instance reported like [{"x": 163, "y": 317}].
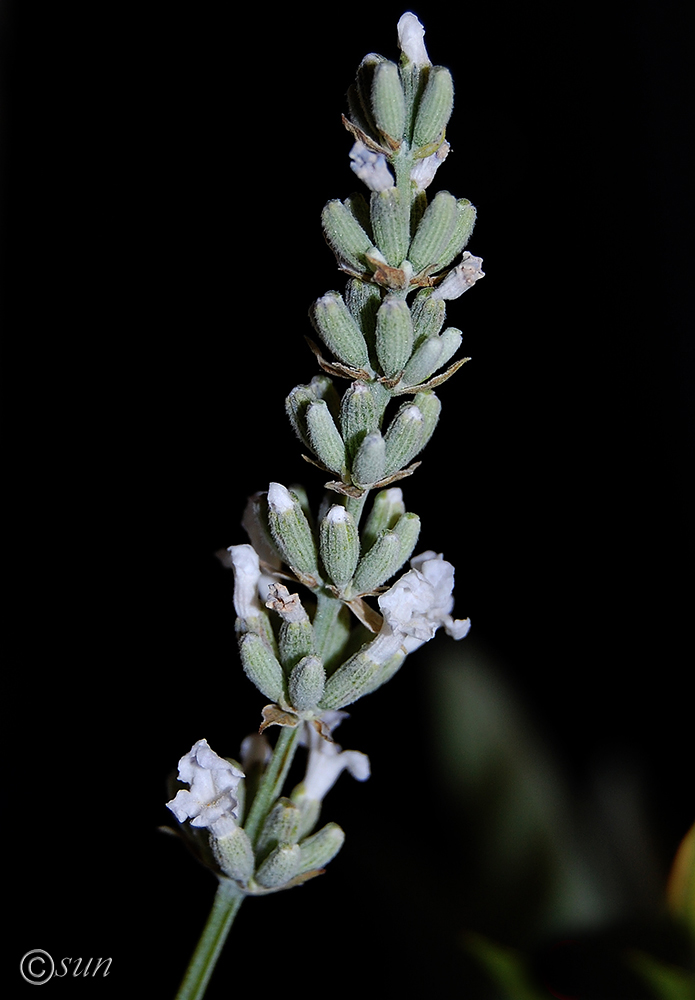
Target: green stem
[
  {"x": 227, "y": 902},
  {"x": 272, "y": 781},
  {"x": 327, "y": 611}
]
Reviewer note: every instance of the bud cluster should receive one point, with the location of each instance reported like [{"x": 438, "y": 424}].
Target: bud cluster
[{"x": 285, "y": 851}]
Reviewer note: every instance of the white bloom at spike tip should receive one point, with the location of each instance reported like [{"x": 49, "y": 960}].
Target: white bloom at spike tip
[
  {"x": 371, "y": 168},
  {"x": 327, "y": 761},
  {"x": 210, "y": 802},
  {"x": 411, "y": 36}
]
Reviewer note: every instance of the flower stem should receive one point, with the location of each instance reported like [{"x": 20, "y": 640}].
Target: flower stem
[
  {"x": 273, "y": 780},
  {"x": 227, "y": 902}
]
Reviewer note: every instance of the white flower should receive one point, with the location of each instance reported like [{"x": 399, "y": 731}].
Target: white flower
[
  {"x": 327, "y": 761},
  {"x": 425, "y": 168},
  {"x": 461, "y": 278},
  {"x": 371, "y": 168},
  {"x": 416, "y": 606},
  {"x": 210, "y": 802},
  {"x": 247, "y": 577},
  {"x": 410, "y": 40}
]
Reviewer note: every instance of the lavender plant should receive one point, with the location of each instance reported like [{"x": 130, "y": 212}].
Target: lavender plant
[{"x": 322, "y": 615}]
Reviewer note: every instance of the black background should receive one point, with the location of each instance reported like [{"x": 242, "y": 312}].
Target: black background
[{"x": 166, "y": 165}]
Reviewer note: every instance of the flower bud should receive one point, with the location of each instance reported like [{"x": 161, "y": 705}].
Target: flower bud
[
  {"x": 432, "y": 353},
  {"x": 436, "y": 105},
  {"x": 351, "y": 680},
  {"x": 306, "y": 683},
  {"x": 404, "y": 438},
  {"x": 262, "y": 667},
  {"x": 407, "y": 530},
  {"x": 280, "y": 827},
  {"x": 435, "y": 231},
  {"x": 345, "y": 236},
  {"x": 377, "y": 564},
  {"x": 428, "y": 315},
  {"x": 465, "y": 221},
  {"x": 336, "y": 327},
  {"x": 358, "y": 415},
  {"x": 301, "y": 396},
  {"x": 292, "y": 534},
  {"x": 388, "y": 102},
  {"x": 363, "y": 298},
  {"x": 387, "y": 507},
  {"x": 320, "y": 848},
  {"x": 390, "y": 224},
  {"x": 430, "y": 407},
  {"x": 234, "y": 854},
  {"x": 369, "y": 463},
  {"x": 339, "y": 545},
  {"x": 324, "y": 436},
  {"x": 280, "y": 867},
  {"x": 394, "y": 335}
]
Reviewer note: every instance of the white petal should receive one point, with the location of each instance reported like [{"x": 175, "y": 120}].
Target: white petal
[
  {"x": 410, "y": 40},
  {"x": 461, "y": 278}
]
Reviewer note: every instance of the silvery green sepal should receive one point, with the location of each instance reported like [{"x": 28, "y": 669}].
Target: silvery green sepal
[
  {"x": 292, "y": 534},
  {"x": 363, "y": 298},
  {"x": 301, "y": 397},
  {"x": 324, "y": 436},
  {"x": 465, "y": 221},
  {"x": 432, "y": 353},
  {"x": 262, "y": 667},
  {"x": 369, "y": 463},
  {"x": 434, "y": 110},
  {"x": 306, "y": 684},
  {"x": 430, "y": 407},
  {"x": 281, "y": 827},
  {"x": 428, "y": 315},
  {"x": 390, "y": 224},
  {"x": 320, "y": 848},
  {"x": 378, "y": 563},
  {"x": 460, "y": 278},
  {"x": 404, "y": 438},
  {"x": 371, "y": 167},
  {"x": 387, "y": 508},
  {"x": 434, "y": 232},
  {"x": 339, "y": 545},
  {"x": 359, "y": 97},
  {"x": 391, "y": 549},
  {"x": 234, "y": 854},
  {"x": 394, "y": 335},
  {"x": 388, "y": 103},
  {"x": 358, "y": 415},
  {"x": 346, "y": 237},
  {"x": 338, "y": 330},
  {"x": 280, "y": 867}
]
